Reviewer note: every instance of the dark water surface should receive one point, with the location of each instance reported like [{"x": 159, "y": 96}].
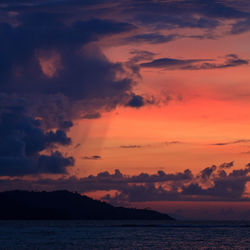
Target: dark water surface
[{"x": 124, "y": 235}]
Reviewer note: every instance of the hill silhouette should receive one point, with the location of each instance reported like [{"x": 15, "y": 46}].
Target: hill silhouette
[{"x": 55, "y": 205}]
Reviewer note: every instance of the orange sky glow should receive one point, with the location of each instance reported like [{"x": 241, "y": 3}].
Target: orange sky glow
[{"x": 147, "y": 86}]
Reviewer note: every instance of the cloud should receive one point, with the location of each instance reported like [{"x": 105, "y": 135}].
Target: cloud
[
  {"x": 102, "y": 181},
  {"x": 230, "y": 143},
  {"x": 192, "y": 14},
  {"x": 93, "y": 157},
  {"x": 141, "y": 55},
  {"x": 241, "y": 26},
  {"x": 95, "y": 115},
  {"x": 49, "y": 62},
  {"x": 159, "y": 144},
  {"x": 153, "y": 38},
  {"x": 22, "y": 143},
  {"x": 194, "y": 64},
  {"x": 227, "y": 165},
  {"x": 171, "y": 63},
  {"x": 54, "y": 163},
  {"x": 210, "y": 184},
  {"x": 136, "y": 101},
  {"x": 51, "y": 69},
  {"x": 154, "y": 15},
  {"x": 151, "y": 17},
  {"x": 228, "y": 187},
  {"x": 207, "y": 172},
  {"x": 224, "y": 188},
  {"x": 170, "y": 15},
  {"x": 71, "y": 66},
  {"x": 204, "y": 15},
  {"x": 130, "y": 146}
]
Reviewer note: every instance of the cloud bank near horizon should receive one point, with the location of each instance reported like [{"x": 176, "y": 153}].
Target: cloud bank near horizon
[{"x": 215, "y": 183}]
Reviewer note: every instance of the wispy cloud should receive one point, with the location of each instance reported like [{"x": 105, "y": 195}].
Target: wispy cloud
[
  {"x": 231, "y": 142},
  {"x": 159, "y": 144},
  {"x": 231, "y": 60},
  {"x": 92, "y": 157}
]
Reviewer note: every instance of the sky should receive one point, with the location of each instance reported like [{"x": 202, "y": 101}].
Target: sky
[{"x": 139, "y": 103}]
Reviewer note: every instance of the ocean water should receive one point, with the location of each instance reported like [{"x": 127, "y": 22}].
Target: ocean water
[{"x": 123, "y": 235}]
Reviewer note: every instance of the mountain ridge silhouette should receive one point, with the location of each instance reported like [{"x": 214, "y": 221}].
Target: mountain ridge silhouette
[{"x": 65, "y": 205}]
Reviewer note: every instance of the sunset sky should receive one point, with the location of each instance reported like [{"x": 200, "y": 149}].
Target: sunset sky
[{"x": 141, "y": 103}]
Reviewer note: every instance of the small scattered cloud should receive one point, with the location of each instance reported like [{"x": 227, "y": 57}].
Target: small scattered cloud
[
  {"x": 77, "y": 145},
  {"x": 227, "y": 165},
  {"x": 131, "y": 146},
  {"x": 158, "y": 144},
  {"x": 93, "y": 157},
  {"x": 138, "y": 101}
]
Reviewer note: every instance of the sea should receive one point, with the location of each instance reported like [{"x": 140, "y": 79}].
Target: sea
[{"x": 124, "y": 234}]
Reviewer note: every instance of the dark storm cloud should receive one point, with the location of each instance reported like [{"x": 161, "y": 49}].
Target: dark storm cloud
[
  {"x": 194, "y": 64},
  {"x": 50, "y": 68},
  {"x": 41, "y": 37},
  {"x": 191, "y": 14},
  {"x": 206, "y": 15},
  {"x": 21, "y": 144},
  {"x": 49, "y": 65},
  {"x": 170, "y": 14},
  {"x": 54, "y": 163}
]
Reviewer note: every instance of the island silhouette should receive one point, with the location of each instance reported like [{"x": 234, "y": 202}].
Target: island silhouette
[{"x": 65, "y": 205}]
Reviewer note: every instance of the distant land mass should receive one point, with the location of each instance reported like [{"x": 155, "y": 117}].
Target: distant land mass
[{"x": 65, "y": 205}]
